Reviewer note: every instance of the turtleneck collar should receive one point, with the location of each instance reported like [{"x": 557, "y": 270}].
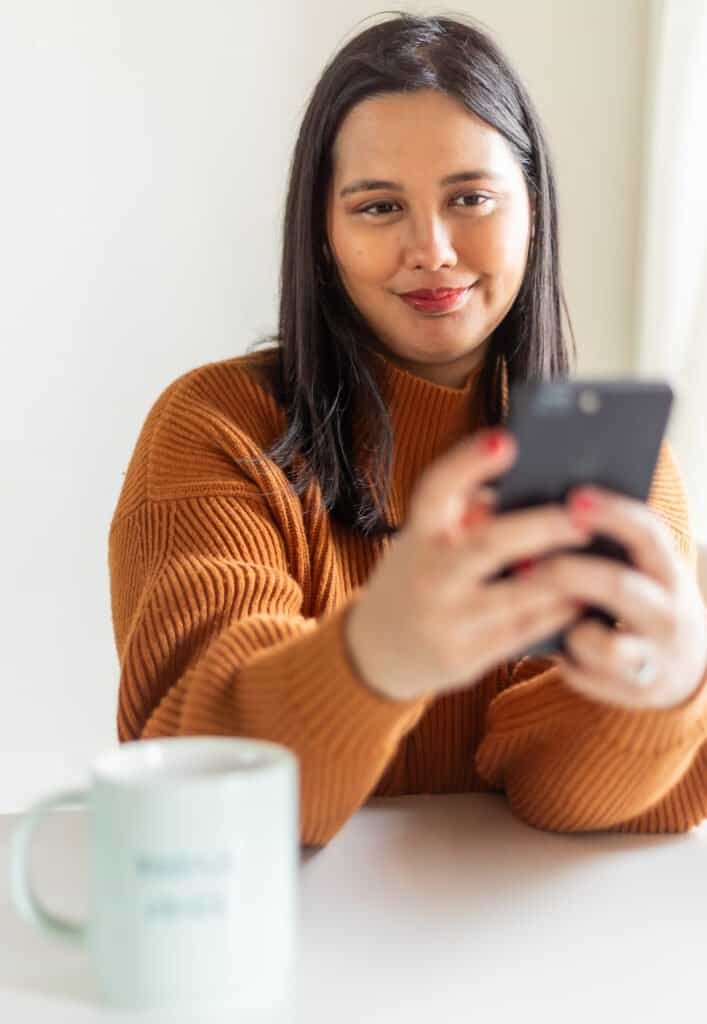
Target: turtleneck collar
[{"x": 427, "y": 419}]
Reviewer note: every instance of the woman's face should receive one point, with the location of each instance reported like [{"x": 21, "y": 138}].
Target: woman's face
[{"x": 395, "y": 226}]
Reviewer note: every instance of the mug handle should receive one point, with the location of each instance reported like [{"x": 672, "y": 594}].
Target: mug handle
[{"x": 23, "y": 895}]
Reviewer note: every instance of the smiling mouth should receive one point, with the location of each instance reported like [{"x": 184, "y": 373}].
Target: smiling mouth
[
  {"x": 442, "y": 300},
  {"x": 436, "y": 293}
]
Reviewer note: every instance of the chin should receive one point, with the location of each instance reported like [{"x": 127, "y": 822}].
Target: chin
[{"x": 439, "y": 355}]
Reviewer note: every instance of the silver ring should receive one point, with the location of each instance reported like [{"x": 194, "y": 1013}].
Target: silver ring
[{"x": 646, "y": 671}]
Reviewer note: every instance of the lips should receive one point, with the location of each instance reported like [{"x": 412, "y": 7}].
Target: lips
[
  {"x": 437, "y": 300},
  {"x": 434, "y": 293}
]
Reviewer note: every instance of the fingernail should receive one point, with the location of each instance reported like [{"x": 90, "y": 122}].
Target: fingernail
[
  {"x": 494, "y": 442},
  {"x": 583, "y": 501}
]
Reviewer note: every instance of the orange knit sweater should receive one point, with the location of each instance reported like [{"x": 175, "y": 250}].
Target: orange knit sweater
[{"x": 229, "y": 597}]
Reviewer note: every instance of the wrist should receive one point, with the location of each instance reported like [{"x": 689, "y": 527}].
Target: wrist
[{"x": 360, "y": 648}]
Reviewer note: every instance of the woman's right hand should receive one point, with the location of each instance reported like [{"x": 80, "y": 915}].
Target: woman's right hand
[{"x": 431, "y": 618}]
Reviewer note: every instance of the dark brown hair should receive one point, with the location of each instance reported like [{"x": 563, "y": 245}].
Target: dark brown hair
[{"x": 320, "y": 374}]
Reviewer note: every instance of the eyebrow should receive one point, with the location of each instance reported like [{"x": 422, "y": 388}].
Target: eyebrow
[{"x": 371, "y": 184}]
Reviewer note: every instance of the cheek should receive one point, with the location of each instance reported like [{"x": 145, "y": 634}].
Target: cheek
[
  {"x": 501, "y": 248},
  {"x": 367, "y": 256},
  {"x": 366, "y": 263}
]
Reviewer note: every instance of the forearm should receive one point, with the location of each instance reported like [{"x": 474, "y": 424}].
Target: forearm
[{"x": 570, "y": 764}]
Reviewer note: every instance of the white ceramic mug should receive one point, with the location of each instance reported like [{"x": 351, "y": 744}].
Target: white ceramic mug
[{"x": 193, "y": 862}]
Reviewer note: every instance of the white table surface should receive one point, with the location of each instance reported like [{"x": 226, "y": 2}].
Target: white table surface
[{"x": 434, "y": 909}]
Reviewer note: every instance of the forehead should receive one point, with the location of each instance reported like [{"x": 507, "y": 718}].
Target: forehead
[{"x": 420, "y": 131}]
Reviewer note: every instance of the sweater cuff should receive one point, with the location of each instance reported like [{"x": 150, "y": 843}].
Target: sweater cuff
[
  {"x": 546, "y": 698},
  {"x": 662, "y": 729}
]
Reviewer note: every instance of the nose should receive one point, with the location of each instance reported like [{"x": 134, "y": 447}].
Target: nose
[{"x": 428, "y": 245}]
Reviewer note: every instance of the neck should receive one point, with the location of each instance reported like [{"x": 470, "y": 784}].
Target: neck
[{"x": 426, "y": 419}]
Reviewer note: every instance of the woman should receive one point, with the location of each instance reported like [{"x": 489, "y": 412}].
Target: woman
[{"x": 304, "y": 544}]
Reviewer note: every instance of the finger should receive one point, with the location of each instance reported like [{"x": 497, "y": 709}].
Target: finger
[
  {"x": 447, "y": 487},
  {"x": 495, "y": 601},
  {"x": 478, "y": 510},
  {"x": 506, "y": 627},
  {"x": 646, "y": 537},
  {"x": 607, "y": 691},
  {"x": 643, "y": 605},
  {"x": 604, "y": 652},
  {"x": 539, "y": 625},
  {"x": 503, "y": 540}
]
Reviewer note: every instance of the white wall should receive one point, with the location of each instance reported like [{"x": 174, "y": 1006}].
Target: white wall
[{"x": 144, "y": 159}]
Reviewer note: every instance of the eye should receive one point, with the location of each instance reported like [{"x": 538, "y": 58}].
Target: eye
[
  {"x": 375, "y": 206},
  {"x": 472, "y": 195}
]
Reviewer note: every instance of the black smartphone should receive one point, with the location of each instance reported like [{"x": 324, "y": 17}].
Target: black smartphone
[{"x": 572, "y": 432}]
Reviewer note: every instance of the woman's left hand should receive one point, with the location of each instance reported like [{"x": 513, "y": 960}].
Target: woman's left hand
[{"x": 657, "y": 601}]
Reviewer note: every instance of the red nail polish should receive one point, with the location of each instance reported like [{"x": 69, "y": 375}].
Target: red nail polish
[
  {"x": 494, "y": 442},
  {"x": 583, "y": 502}
]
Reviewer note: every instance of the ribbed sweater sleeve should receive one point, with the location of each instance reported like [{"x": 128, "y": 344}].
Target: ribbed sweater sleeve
[
  {"x": 209, "y": 617},
  {"x": 569, "y": 764}
]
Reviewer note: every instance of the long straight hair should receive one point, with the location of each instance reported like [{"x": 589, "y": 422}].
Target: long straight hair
[{"x": 321, "y": 374}]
